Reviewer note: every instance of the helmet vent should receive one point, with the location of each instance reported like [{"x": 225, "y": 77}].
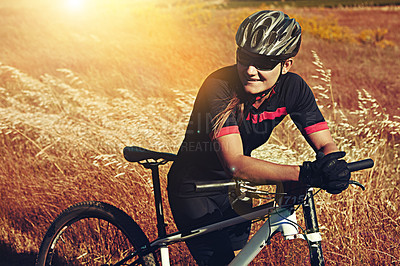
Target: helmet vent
[
  {"x": 267, "y": 23},
  {"x": 257, "y": 37},
  {"x": 295, "y": 30},
  {"x": 272, "y": 38},
  {"x": 276, "y": 14}
]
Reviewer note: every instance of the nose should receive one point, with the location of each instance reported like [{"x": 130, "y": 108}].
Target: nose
[{"x": 251, "y": 70}]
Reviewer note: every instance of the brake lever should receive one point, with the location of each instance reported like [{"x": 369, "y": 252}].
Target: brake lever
[{"x": 353, "y": 182}]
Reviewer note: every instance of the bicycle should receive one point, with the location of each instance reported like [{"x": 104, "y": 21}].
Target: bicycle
[{"x": 78, "y": 235}]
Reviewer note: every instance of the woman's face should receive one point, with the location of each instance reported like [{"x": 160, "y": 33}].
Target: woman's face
[{"x": 255, "y": 80}]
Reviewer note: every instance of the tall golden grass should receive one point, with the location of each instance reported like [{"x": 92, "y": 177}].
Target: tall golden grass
[{"x": 76, "y": 86}]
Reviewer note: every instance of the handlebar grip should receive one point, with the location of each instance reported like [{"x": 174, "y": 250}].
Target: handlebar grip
[
  {"x": 212, "y": 185},
  {"x": 360, "y": 165}
]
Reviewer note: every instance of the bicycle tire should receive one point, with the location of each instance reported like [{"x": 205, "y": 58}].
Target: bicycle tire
[{"x": 80, "y": 233}]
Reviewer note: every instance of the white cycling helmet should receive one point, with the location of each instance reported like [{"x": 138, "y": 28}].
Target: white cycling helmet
[{"x": 270, "y": 33}]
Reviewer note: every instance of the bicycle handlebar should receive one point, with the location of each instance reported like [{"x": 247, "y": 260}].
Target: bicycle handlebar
[
  {"x": 218, "y": 184},
  {"x": 360, "y": 165},
  {"x": 210, "y": 185}
]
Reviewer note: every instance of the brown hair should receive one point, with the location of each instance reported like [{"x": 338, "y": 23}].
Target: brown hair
[{"x": 234, "y": 105}]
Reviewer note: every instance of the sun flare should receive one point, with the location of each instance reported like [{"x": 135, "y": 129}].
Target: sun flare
[{"x": 74, "y": 5}]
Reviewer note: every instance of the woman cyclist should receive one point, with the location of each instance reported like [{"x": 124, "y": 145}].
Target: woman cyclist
[{"x": 235, "y": 111}]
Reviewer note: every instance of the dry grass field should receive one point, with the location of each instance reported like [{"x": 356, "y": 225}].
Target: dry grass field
[{"x": 79, "y": 80}]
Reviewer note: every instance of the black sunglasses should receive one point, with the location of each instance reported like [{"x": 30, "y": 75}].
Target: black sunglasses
[{"x": 260, "y": 63}]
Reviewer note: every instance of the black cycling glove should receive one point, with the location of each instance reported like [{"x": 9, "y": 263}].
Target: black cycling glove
[{"x": 327, "y": 173}]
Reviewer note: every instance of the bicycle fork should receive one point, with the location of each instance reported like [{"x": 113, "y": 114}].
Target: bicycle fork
[
  {"x": 313, "y": 234},
  {"x": 284, "y": 220}
]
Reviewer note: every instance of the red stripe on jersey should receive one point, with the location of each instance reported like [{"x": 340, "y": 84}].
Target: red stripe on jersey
[
  {"x": 225, "y": 131},
  {"x": 267, "y": 115},
  {"x": 315, "y": 128}
]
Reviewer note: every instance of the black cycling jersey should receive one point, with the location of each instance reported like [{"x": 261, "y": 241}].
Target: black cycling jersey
[{"x": 197, "y": 158}]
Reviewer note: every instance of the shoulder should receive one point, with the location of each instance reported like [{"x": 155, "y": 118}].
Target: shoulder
[
  {"x": 226, "y": 75},
  {"x": 293, "y": 79},
  {"x": 293, "y": 85},
  {"x": 221, "y": 82},
  {"x": 295, "y": 92}
]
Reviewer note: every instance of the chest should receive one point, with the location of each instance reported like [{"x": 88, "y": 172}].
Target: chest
[{"x": 258, "y": 124}]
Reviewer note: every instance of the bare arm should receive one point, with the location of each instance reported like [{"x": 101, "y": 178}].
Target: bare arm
[
  {"x": 255, "y": 170},
  {"x": 259, "y": 171},
  {"x": 322, "y": 141}
]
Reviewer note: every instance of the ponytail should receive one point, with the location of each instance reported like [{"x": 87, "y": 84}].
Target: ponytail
[{"x": 234, "y": 105}]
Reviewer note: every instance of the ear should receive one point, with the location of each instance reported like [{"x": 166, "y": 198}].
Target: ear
[{"x": 287, "y": 65}]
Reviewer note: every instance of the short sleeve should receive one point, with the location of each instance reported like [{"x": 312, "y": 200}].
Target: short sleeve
[
  {"x": 303, "y": 108},
  {"x": 218, "y": 96}
]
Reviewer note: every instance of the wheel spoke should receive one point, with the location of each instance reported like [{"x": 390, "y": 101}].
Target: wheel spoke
[
  {"x": 88, "y": 241},
  {"x": 92, "y": 233}
]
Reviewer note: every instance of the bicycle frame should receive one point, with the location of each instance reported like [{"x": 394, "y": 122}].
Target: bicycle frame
[{"x": 280, "y": 219}]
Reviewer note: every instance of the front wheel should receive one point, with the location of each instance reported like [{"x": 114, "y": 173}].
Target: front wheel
[{"x": 94, "y": 233}]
